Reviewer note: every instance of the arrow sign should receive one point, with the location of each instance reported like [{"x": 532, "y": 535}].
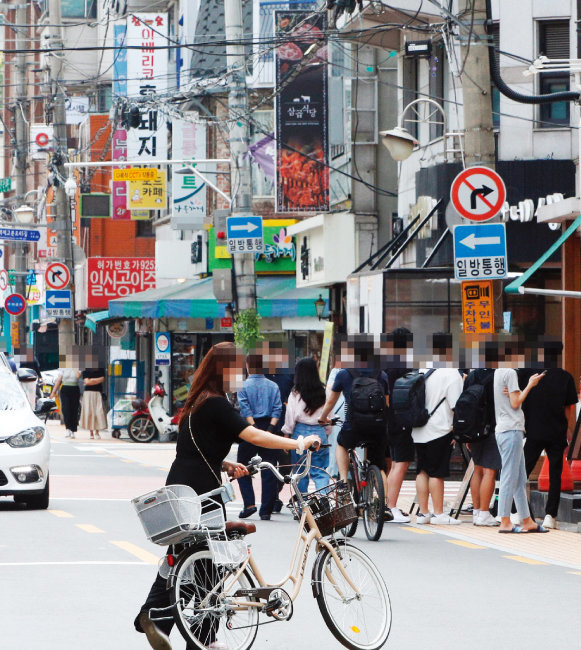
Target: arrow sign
[
  {"x": 246, "y": 227},
  {"x": 58, "y": 303},
  {"x": 472, "y": 241},
  {"x": 55, "y": 300},
  {"x": 481, "y": 192},
  {"x": 57, "y": 275}
]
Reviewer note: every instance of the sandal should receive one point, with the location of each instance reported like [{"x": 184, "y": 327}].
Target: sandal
[
  {"x": 97, "y": 436},
  {"x": 538, "y": 529},
  {"x": 514, "y": 529}
]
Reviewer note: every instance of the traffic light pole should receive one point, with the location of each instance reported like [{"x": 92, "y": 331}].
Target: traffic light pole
[
  {"x": 63, "y": 207},
  {"x": 240, "y": 179}
]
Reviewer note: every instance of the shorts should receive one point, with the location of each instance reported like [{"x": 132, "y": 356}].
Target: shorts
[
  {"x": 434, "y": 457},
  {"x": 376, "y": 448},
  {"x": 402, "y": 448},
  {"x": 485, "y": 453}
]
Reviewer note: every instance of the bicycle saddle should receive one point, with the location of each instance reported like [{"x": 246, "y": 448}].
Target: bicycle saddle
[
  {"x": 363, "y": 443},
  {"x": 239, "y": 528}
]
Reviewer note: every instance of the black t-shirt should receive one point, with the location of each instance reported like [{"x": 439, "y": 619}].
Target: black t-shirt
[
  {"x": 544, "y": 407},
  {"x": 215, "y": 426},
  {"x": 344, "y": 383},
  {"x": 94, "y": 373}
]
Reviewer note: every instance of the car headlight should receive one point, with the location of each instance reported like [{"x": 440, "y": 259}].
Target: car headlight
[{"x": 27, "y": 438}]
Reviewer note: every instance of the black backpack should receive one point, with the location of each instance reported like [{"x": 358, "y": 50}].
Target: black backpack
[
  {"x": 472, "y": 414},
  {"x": 408, "y": 400},
  {"x": 366, "y": 410}
]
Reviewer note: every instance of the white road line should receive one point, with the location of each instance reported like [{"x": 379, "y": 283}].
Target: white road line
[
  {"x": 78, "y": 563},
  {"x": 78, "y": 456}
]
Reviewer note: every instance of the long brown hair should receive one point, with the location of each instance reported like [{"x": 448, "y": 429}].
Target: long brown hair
[{"x": 208, "y": 378}]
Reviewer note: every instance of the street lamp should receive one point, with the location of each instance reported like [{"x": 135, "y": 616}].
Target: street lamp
[
  {"x": 320, "y": 307},
  {"x": 399, "y": 141},
  {"x": 24, "y": 215}
]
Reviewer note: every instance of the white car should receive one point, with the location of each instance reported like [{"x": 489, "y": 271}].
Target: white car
[{"x": 24, "y": 445}]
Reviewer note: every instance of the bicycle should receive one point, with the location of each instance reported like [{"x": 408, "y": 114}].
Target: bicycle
[
  {"x": 218, "y": 593},
  {"x": 368, "y": 492}
]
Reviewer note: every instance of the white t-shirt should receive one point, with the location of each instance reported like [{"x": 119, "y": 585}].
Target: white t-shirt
[
  {"x": 507, "y": 418},
  {"x": 443, "y": 383}
]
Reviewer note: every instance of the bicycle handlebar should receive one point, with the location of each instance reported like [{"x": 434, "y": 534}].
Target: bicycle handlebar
[{"x": 256, "y": 464}]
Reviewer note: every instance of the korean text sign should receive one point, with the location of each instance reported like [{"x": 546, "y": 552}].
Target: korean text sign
[
  {"x": 116, "y": 277},
  {"x": 189, "y": 190},
  {"x": 477, "y": 307},
  {"x": 147, "y": 75}
]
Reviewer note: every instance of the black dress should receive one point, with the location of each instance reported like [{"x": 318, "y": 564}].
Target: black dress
[{"x": 215, "y": 426}]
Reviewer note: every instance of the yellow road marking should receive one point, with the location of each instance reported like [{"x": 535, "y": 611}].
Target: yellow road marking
[
  {"x": 100, "y": 451},
  {"x": 461, "y": 542},
  {"x": 60, "y": 513},
  {"x": 127, "y": 460},
  {"x": 89, "y": 528},
  {"x": 419, "y": 531},
  {"x": 144, "y": 556},
  {"x": 524, "y": 560},
  {"x": 575, "y": 573}
]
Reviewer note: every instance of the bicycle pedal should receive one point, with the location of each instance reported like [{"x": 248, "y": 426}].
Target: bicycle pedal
[{"x": 279, "y": 605}]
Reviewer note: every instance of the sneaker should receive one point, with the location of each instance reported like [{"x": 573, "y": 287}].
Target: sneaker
[
  {"x": 422, "y": 519},
  {"x": 216, "y": 645},
  {"x": 157, "y": 639},
  {"x": 243, "y": 514},
  {"x": 400, "y": 517},
  {"x": 486, "y": 519},
  {"x": 550, "y": 522},
  {"x": 444, "y": 520},
  {"x": 265, "y": 517},
  {"x": 475, "y": 515},
  {"x": 68, "y": 433}
]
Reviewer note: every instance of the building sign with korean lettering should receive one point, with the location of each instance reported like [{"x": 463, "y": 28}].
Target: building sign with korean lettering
[
  {"x": 189, "y": 190},
  {"x": 115, "y": 277},
  {"x": 477, "y": 307},
  {"x": 119, "y": 211},
  {"x": 148, "y": 195},
  {"x": 147, "y": 75}
]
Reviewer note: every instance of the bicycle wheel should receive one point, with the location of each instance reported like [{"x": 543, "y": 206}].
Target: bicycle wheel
[
  {"x": 349, "y": 531},
  {"x": 373, "y": 499},
  {"x": 360, "y": 621},
  {"x": 217, "y": 620}
]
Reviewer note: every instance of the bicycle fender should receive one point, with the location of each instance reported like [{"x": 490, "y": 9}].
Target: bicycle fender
[{"x": 170, "y": 581}]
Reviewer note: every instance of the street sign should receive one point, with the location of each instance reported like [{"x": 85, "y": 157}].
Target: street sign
[
  {"x": 5, "y": 184},
  {"x": 58, "y": 304},
  {"x": 135, "y": 174},
  {"x": 245, "y": 234},
  {"x": 478, "y": 193},
  {"x": 19, "y": 234},
  {"x": 480, "y": 252},
  {"x": 57, "y": 275},
  {"x": 162, "y": 348},
  {"x": 477, "y": 307},
  {"x": 15, "y": 304}
]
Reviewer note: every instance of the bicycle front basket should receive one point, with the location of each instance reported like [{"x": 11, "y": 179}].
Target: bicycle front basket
[
  {"x": 169, "y": 514},
  {"x": 332, "y": 507}
]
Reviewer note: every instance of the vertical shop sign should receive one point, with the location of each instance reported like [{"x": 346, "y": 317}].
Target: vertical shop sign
[
  {"x": 120, "y": 61},
  {"x": 162, "y": 348},
  {"x": 302, "y": 174},
  {"x": 116, "y": 277},
  {"x": 188, "y": 190},
  {"x": 147, "y": 75},
  {"x": 477, "y": 307},
  {"x": 119, "y": 188}
]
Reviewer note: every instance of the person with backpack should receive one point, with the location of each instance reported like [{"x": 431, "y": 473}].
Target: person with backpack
[
  {"x": 432, "y": 429},
  {"x": 304, "y": 408},
  {"x": 366, "y": 392},
  {"x": 474, "y": 424}
]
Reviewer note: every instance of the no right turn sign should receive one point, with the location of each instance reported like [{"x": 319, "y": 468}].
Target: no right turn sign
[{"x": 478, "y": 193}]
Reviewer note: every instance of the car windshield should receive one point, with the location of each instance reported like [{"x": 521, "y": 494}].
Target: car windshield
[{"x": 11, "y": 395}]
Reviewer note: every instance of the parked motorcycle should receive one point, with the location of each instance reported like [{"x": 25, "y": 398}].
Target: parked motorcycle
[{"x": 151, "y": 418}]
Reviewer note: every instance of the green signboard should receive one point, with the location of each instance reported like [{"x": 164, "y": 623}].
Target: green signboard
[
  {"x": 279, "y": 254},
  {"x": 5, "y": 184}
]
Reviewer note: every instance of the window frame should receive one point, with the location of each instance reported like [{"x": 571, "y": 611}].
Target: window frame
[{"x": 544, "y": 111}]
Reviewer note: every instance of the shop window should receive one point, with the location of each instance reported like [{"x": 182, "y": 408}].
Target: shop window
[
  {"x": 79, "y": 8},
  {"x": 104, "y": 98},
  {"x": 144, "y": 228},
  {"x": 554, "y": 44}
]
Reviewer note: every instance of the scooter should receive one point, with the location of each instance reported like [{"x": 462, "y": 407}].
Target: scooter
[{"x": 151, "y": 418}]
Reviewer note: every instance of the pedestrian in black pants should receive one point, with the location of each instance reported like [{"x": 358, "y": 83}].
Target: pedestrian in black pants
[
  {"x": 70, "y": 397},
  {"x": 549, "y": 421},
  {"x": 261, "y": 405}
]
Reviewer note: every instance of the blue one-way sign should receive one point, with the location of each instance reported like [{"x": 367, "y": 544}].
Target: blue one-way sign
[
  {"x": 58, "y": 304},
  {"x": 244, "y": 234},
  {"x": 480, "y": 251}
]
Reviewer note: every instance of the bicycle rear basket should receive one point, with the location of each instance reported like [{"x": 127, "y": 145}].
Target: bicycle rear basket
[
  {"x": 332, "y": 507},
  {"x": 169, "y": 514}
]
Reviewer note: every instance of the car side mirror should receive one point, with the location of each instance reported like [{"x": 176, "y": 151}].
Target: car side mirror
[
  {"x": 44, "y": 405},
  {"x": 25, "y": 375}
]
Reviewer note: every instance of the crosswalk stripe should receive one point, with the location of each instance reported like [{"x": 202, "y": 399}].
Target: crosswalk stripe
[
  {"x": 461, "y": 542},
  {"x": 89, "y": 528},
  {"x": 143, "y": 555},
  {"x": 524, "y": 560},
  {"x": 60, "y": 513}
]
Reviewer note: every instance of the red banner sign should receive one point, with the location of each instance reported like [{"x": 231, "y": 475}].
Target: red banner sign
[{"x": 115, "y": 277}]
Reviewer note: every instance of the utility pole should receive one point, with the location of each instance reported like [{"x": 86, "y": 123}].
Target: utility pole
[
  {"x": 61, "y": 208},
  {"x": 240, "y": 179},
  {"x": 20, "y": 249},
  {"x": 479, "y": 134}
]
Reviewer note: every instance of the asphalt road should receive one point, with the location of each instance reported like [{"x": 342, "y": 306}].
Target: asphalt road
[{"x": 73, "y": 577}]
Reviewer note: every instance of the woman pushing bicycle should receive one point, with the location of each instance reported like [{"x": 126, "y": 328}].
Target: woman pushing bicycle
[{"x": 209, "y": 425}]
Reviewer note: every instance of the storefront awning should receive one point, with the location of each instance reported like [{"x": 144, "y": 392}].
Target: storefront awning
[
  {"x": 277, "y": 297},
  {"x": 94, "y": 318}
]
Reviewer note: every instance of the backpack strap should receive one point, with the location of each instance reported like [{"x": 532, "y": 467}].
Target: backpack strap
[{"x": 431, "y": 371}]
